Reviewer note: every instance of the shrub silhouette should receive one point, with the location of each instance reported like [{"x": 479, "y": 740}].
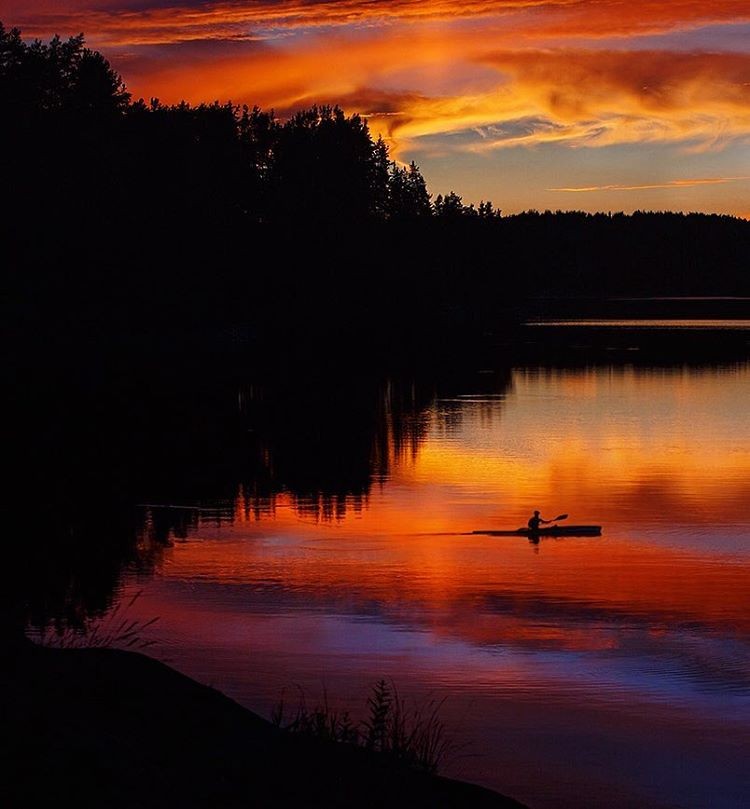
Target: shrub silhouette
[{"x": 416, "y": 737}]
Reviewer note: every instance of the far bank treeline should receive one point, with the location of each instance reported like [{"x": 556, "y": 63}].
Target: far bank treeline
[{"x": 133, "y": 215}]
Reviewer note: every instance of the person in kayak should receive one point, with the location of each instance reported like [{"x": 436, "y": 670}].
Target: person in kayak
[{"x": 536, "y": 521}]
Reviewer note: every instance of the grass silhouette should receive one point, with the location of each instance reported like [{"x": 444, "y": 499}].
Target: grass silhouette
[
  {"x": 113, "y": 630},
  {"x": 412, "y": 735}
]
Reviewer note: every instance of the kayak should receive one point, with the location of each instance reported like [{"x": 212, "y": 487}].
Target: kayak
[{"x": 550, "y": 531}]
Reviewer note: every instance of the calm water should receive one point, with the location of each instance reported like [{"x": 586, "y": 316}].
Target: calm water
[
  {"x": 604, "y": 672},
  {"x": 667, "y": 324}
]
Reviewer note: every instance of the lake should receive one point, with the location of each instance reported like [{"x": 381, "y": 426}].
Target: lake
[{"x": 608, "y": 671}]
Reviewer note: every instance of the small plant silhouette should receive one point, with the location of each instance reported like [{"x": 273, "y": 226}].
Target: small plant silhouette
[
  {"x": 113, "y": 630},
  {"x": 380, "y": 704},
  {"x": 415, "y": 736}
]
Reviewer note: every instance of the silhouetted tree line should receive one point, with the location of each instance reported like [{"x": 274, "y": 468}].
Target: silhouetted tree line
[
  {"x": 133, "y": 223},
  {"x": 69, "y": 117}
]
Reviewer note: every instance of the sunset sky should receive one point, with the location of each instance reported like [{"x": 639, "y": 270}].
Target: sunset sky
[{"x": 573, "y": 104}]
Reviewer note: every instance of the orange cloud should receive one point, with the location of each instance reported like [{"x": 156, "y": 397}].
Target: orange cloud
[
  {"x": 240, "y": 20},
  {"x": 570, "y": 97},
  {"x": 595, "y": 98},
  {"x": 437, "y": 78},
  {"x": 434, "y": 79}
]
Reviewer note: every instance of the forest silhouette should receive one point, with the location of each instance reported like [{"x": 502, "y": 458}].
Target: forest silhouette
[{"x": 132, "y": 224}]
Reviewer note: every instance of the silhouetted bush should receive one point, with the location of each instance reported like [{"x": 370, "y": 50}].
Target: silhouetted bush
[{"x": 415, "y": 736}]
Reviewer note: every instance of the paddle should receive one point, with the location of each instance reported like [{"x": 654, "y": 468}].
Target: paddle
[{"x": 554, "y": 519}]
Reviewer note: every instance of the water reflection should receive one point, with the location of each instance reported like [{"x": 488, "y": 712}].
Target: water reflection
[
  {"x": 614, "y": 442},
  {"x": 85, "y": 451},
  {"x": 324, "y": 443},
  {"x": 309, "y": 530},
  {"x": 608, "y": 662}
]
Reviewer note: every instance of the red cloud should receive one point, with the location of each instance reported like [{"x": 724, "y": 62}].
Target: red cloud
[{"x": 120, "y": 26}]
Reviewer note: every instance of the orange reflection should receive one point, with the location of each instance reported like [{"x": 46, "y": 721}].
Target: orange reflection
[
  {"x": 575, "y": 595},
  {"x": 661, "y": 459}
]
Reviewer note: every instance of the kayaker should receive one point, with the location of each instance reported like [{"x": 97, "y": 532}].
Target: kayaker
[{"x": 536, "y": 521}]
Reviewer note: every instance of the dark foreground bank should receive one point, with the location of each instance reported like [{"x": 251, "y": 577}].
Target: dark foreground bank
[{"x": 100, "y": 727}]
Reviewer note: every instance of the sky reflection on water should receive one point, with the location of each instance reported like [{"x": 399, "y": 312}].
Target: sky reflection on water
[{"x": 615, "y": 668}]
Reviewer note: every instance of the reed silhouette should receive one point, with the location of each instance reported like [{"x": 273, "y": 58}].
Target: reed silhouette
[{"x": 413, "y": 735}]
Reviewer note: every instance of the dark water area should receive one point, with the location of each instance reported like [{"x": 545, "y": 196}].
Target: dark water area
[{"x": 301, "y": 520}]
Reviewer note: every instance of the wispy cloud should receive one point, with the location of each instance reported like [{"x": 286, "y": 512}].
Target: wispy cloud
[
  {"x": 594, "y": 98},
  {"x": 688, "y": 183},
  {"x": 123, "y": 23}
]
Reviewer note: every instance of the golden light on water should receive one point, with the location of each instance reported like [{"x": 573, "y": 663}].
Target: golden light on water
[
  {"x": 579, "y": 442},
  {"x": 635, "y": 640}
]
